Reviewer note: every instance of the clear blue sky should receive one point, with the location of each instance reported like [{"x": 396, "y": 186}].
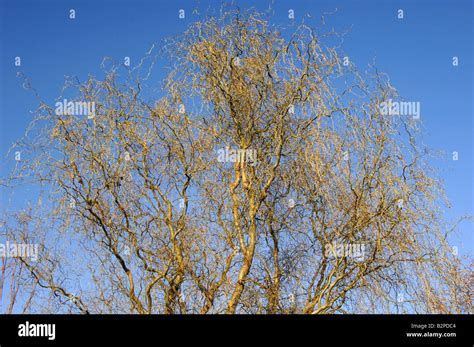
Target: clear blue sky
[{"x": 416, "y": 52}]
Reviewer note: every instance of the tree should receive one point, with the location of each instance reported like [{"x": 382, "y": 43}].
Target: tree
[{"x": 319, "y": 203}]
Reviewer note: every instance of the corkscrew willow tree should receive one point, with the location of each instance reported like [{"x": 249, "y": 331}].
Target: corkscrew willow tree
[{"x": 139, "y": 216}]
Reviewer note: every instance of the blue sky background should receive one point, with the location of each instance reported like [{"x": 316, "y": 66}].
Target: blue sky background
[{"x": 415, "y": 52}]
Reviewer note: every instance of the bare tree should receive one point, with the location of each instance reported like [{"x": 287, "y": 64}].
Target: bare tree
[{"x": 261, "y": 177}]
